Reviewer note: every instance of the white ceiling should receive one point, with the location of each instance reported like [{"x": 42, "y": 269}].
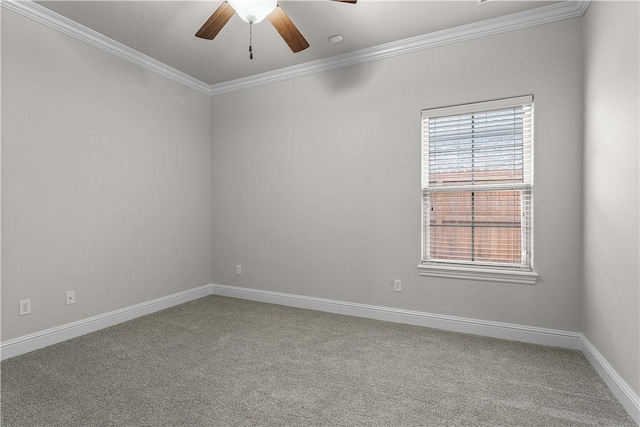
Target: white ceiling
[{"x": 164, "y": 30}]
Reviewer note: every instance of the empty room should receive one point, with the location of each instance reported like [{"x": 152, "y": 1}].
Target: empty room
[{"x": 320, "y": 213}]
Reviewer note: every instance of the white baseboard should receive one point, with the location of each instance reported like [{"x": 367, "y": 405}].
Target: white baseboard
[
  {"x": 529, "y": 334},
  {"x": 486, "y": 328},
  {"x": 620, "y": 389},
  {"x": 572, "y": 340},
  {"x": 27, "y": 343}
]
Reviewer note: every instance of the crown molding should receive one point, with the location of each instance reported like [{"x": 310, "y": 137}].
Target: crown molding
[
  {"x": 65, "y": 25},
  {"x": 516, "y": 21}
]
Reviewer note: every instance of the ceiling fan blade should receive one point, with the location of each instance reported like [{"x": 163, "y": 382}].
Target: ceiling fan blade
[
  {"x": 347, "y": 1},
  {"x": 287, "y": 30},
  {"x": 214, "y": 24}
]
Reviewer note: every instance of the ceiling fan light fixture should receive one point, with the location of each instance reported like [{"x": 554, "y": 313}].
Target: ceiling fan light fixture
[{"x": 253, "y": 11}]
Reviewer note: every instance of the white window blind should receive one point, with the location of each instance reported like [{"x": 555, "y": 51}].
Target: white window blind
[{"x": 477, "y": 182}]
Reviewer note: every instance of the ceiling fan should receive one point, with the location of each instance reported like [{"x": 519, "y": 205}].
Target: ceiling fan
[{"x": 252, "y": 12}]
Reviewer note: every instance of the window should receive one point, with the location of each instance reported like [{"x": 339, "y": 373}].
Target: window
[{"x": 477, "y": 191}]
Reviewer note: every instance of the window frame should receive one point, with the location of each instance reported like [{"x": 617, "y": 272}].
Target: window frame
[{"x": 485, "y": 271}]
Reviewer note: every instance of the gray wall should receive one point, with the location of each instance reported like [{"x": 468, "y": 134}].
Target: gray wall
[
  {"x": 611, "y": 299},
  {"x": 106, "y": 180},
  {"x": 316, "y": 180}
]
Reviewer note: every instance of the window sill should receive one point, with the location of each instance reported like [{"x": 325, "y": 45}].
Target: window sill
[{"x": 478, "y": 273}]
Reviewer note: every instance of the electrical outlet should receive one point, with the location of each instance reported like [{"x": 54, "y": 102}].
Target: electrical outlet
[
  {"x": 397, "y": 285},
  {"x": 238, "y": 269},
  {"x": 70, "y": 297},
  {"x": 25, "y": 307}
]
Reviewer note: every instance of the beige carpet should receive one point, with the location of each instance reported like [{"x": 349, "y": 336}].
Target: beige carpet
[{"x": 227, "y": 362}]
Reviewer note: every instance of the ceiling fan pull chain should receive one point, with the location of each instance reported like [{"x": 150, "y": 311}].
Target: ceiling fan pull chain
[{"x": 250, "y": 39}]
